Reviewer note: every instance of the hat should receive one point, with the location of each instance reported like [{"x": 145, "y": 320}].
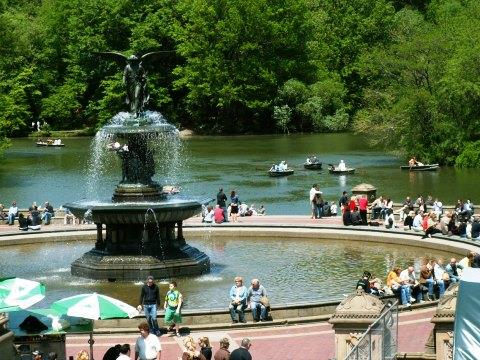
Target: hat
[{"x": 35, "y": 353}]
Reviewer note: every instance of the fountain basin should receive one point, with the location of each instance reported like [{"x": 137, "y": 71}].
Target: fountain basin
[{"x": 141, "y": 238}]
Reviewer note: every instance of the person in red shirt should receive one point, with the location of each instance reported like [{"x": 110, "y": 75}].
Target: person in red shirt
[
  {"x": 218, "y": 214},
  {"x": 362, "y": 206}
]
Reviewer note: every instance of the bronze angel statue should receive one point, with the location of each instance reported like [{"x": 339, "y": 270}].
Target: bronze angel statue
[{"x": 134, "y": 77}]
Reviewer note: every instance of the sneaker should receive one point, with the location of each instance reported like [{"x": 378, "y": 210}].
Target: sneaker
[
  {"x": 429, "y": 235},
  {"x": 177, "y": 334},
  {"x": 243, "y": 321},
  {"x": 408, "y": 305},
  {"x": 412, "y": 299},
  {"x": 430, "y": 297},
  {"x": 422, "y": 301},
  {"x": 234, "y": 321}
]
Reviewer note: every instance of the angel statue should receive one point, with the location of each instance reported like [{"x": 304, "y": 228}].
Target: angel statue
[{"x": 134, "y": 77}]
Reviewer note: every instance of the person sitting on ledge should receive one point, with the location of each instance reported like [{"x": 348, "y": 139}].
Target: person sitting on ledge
[
  {"x": 47, "y": 213},
  {"x": 218, "y": 215},
  {"x": 238, "y": 301},
  {"x": 257, "y": 296},
  {"x": 417, "y": 221},
  {"x": 22, "y": 222},
  {"x": 398, "y": 286},
  {"x": 408, "y": 222},
  {"x": 369, "y": 286},
  {"x": 33, "y": 219},
  {"x": 12, "y": 213},
  {"x": 389, "y": 219}
]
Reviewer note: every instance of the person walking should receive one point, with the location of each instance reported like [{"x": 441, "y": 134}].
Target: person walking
[
  {"x": 147, "y": 346},
  {"x": 221, "y": 202},
  {"x": 172, "y": 306},
  {"x": 223, "y": 353},
  {"x": 150, "y": 299},
  {"x": 242, "y": 352}
]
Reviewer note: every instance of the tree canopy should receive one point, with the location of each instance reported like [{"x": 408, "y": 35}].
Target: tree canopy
[{"x": 403, "y": 74}]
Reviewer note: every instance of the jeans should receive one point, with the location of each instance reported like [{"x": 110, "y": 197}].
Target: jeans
[
  {"x": 46, "y": 217},
  {"x": 234, "y": 308},
  {"x": 376, "y": 213},
  {"x": 11, "y": 219},
  {"x": 151, "y": 316},
  {"x": 441, "y": 287},
  {"x": 404, "y": 291},
  {"x": 319, "y": 211},
  {"x": 430, "y": 283},
  {"x": 255, "y": 306},
  {"x": 225, "y": 214}
]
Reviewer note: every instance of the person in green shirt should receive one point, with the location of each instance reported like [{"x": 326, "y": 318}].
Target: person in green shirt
[{"x": 172, "y": 306}]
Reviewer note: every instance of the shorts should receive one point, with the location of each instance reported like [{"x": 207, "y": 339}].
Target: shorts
[{"x": 171, "y": 316}]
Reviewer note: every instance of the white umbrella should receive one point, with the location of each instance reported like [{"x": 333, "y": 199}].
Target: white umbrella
[
  {"x": 17, "y": 293},
  {"x": 94, "y": 306}
]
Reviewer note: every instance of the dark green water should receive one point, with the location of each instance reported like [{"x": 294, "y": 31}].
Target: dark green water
[{"x": 28, "y": 173}]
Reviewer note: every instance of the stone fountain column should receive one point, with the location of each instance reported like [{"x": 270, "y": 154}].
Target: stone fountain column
[
  {"x": 352, "y": 318},
  {"x": 443, "y": 320}
]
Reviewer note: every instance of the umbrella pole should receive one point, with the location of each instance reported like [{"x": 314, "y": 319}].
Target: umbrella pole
[{"x": 91, "y": 342}]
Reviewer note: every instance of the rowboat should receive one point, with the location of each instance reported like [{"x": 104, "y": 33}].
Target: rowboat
[
  {"x": 278, "y": 173},
  {"x": 313, "y": 166},
  {"x": 426, "y": 167},
  {"x": 50, "y": 143},
  {"x": 334, "y": 170}
]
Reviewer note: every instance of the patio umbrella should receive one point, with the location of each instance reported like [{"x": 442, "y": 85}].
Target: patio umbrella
[
  {"x": 94, "y": 307},
  {"x": 17, "y": 293}
]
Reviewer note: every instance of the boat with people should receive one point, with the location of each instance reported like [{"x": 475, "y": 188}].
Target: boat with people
[
  {"x": 50, "y": 142},
  {"x": 340, "y": 169},
  {"x": 414, "y": 165},
  {"x": 423, "y": 167},
  {"x": 280, "y": 170},
  {"x": 312, "y": 163}
]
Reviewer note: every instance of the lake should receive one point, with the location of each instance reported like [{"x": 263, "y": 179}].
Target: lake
[{"x": 60, "y": 175}]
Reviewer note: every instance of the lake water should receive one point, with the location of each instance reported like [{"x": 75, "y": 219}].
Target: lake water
[{"x": 60, "y": 175}]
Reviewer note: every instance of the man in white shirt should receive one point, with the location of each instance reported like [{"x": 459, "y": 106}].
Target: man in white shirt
[
  {"x": 147, "y": 346},
  {"x": 313, "y": 193},
  {"x": 12, "y": 213},
  {"x": 407, "y": 276},
  {"x": 417, "y": 221},
  {"x": 124, "y": 352}
]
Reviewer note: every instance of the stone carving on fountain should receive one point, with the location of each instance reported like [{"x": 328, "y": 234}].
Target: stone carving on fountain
[{"x": 139, "y": 231}]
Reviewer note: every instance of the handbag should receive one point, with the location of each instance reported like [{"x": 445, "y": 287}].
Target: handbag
[{"x": 264, "y": 301}]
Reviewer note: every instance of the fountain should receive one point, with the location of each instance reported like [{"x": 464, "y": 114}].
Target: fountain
[{"x": 143, "y": 225}]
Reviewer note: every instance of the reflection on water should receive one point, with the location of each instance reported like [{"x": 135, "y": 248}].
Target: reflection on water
[{"x": 292, "y": 271}]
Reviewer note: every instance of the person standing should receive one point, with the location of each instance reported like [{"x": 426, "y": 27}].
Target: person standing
[
  {"x": 313, "y": 200},
  {"x": 172, "y": 306},
  {"x": 362, "y": 206},
  {"x": 150, "y": 299},
  {"x": 242, "y": 352},
  {"x": 147, "y": 346},
  {"x": 223, "y": 353},
  {"x": 221, "y": 202}
]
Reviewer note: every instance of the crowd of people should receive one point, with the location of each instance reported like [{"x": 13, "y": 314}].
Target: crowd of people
[
  {"x": 148, "y": 346},
  {"x": 222, "y": 213},
  {"x": 425, "y": 216},
  {"x": 427, "y": 284},
  {"x": 36, "y": 216}
]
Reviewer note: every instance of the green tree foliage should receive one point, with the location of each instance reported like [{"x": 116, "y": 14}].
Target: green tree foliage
[
  {"x": 424, "y": 97},
  {"x": 403, "y": 72}
]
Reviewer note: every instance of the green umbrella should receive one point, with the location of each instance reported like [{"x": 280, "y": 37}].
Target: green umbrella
[
  {"x": 94, "y": 306},
  {"x": 17, "y": 293}
]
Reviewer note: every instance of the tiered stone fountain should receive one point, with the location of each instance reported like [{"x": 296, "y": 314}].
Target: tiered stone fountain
[{"x": 139, "y": 231}]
